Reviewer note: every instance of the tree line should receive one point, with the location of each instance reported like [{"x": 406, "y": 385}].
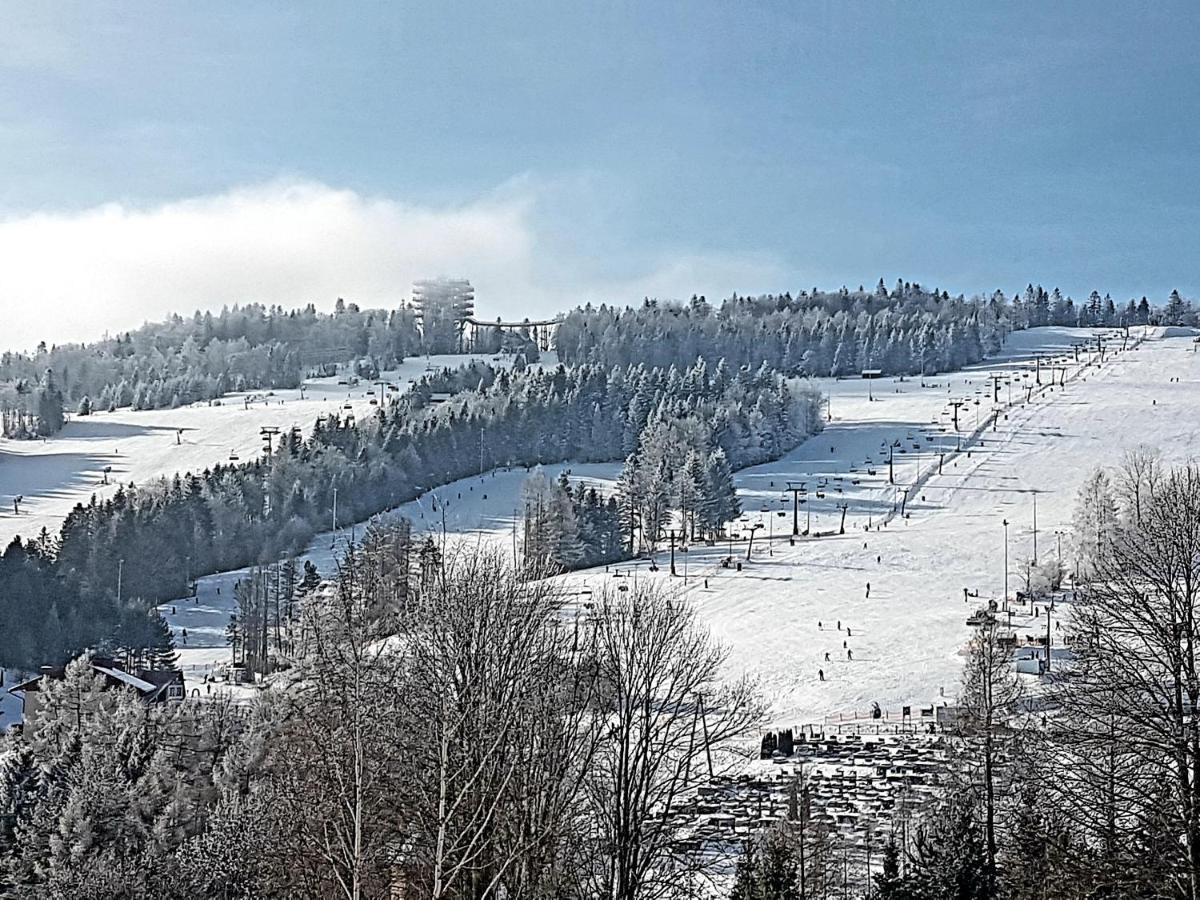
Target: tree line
[
  {"x": 114, "y": 559},
  {"x": 202, "y": 357},
  {"x": 907, "y": 330}
]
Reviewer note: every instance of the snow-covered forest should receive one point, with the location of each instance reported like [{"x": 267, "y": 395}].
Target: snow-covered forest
[
  {"x": 184, "y": 360},
  {"x": 61, "y": 591},
  {"x": 385, "y": 748},
  {"x": 907, "y": 330}
]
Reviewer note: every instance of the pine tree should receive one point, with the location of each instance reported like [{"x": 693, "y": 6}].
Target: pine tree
[
  {"x": 160, "y": 652},
  {"x": 49, "y": 401},
  {"x": 746, "y": 876},
  {"x": 769, "y": 868},
  {"x": 888, "y": 884},
  {"x": 629, "y": 499},
  {"x": 1174, "y": 313},
  {"x": 949, "y": 861},
  {"x": 722, "y": 499}
]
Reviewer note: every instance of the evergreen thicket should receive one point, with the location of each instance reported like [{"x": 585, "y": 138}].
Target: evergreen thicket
[
  {"x": 60, "y": 594},
  {"x": 202, "y": 357},
  {"x": 907, "y": 330}
]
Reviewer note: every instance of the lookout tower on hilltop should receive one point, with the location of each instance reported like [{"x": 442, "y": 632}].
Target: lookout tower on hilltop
[{"x": 444, "y": 305}]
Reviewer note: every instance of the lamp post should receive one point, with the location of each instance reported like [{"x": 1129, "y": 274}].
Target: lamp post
[
  {"x": 333, "y": 538},
  {"x": 1035, "y": 527},
  {"x": 1006, "y": 563}
]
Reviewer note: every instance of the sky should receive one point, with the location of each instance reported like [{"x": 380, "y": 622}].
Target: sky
[{"x": 170, "y": 156}]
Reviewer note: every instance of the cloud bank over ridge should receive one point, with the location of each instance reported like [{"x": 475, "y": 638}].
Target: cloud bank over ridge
[{"x": 71, "y": 276}]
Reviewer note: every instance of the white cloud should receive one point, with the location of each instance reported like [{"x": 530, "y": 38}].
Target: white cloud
[{"x": 73, "y": 276}]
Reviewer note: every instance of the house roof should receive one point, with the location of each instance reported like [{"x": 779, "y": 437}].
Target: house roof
[
  {"x": 148, "y": 683},
  {"x": 31, "y": 684},
  {"x": 133, "y": 681}
]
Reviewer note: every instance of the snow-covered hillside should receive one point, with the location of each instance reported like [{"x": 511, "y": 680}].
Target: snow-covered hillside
[
  {"x": 907, "y": 635},
  {"x": 139, "y": 446}
]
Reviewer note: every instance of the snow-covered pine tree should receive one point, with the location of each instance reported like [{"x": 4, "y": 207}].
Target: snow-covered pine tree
[{"x": 723, "y": 505}]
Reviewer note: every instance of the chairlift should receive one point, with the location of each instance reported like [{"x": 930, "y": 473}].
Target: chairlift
[
  {"x": 347, "y": 407},
  {"x": 233, "y": 457}
]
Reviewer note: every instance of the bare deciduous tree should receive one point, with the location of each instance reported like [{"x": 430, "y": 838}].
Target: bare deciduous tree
[
  {"x": 667, "y": 716},
  {"x": 1129, "y": 755}
]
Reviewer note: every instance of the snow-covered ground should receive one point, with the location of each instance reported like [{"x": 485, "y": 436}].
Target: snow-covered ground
[
  {"x": 140, "y": 446},
  {"x": 780, "y": 614}
]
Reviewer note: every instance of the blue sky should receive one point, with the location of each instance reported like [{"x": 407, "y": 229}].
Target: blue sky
[{"x": 558, "y": 152}]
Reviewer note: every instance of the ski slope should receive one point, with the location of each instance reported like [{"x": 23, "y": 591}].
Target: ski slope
[
  {"x": 780, "y": 614},
  {"x": 140, "y": 446}
]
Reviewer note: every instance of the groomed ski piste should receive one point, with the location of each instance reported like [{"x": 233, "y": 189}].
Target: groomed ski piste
[
  {"x": 796, "y": 599},
  {"x": 140, "y": 446}
]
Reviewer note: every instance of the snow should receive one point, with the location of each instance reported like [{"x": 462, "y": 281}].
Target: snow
[
  {"x": 140, "y": 445},
  {"x": 908, "y": 636},
  {"x": 126, "y": 678}
]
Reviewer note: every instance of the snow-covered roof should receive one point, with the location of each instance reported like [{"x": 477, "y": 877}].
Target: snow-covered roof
[{"x": 132, "y": 680}]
